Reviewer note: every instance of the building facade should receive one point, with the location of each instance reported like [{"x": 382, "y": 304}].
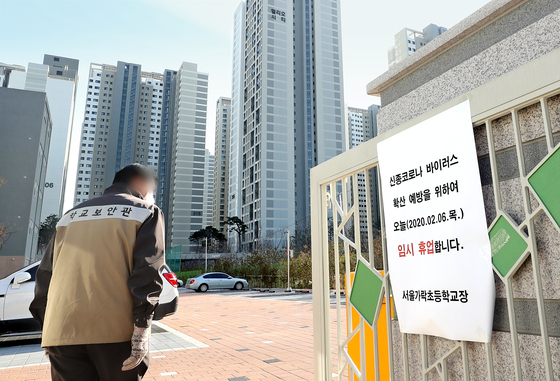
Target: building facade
[
  {"x": 122, "y": 125},
  {"x": 163, "y": 199},
  {"x": 58, "y": 77},
  {"x": 408, "y": 41},
  {"x": 287, "y": 110},
  {"x": 361, "y": 127},
  {"x": 26, "y": 128},
  {"x": 207, "y": 213},
  {"x": 188, "y": 155},
  {"x": 158, "y": 120},
  {"x": 221, "y": 164},
  {"x": 237, "y": 104}
]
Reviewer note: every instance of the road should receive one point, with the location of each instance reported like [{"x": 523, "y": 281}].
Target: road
[{"x": 278, "y": 294}]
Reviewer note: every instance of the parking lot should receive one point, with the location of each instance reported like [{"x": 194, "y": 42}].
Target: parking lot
[{"x": 218, "y": 335}]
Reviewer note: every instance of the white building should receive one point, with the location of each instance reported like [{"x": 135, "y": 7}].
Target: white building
[
  {"x": 58, "y": 77},
  {"x": 287, "y": 110},
  {"x": 188, "y": 157},
  {"x": 208, "y": 189},
  {"x": 158, "y": 120},
  {"x": 236, "y": 120},
  {"x": 408, "y": 41},
  {"x": 122, "y": 123},
  {"x": 359, "y": 127},
  {"x": 221, "y": 167}
]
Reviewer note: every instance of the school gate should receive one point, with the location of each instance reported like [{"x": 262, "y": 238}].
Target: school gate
[{"x": 504, "y": 60}]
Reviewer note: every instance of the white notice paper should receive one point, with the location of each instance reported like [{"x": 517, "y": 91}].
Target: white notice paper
[{"x": 437, "y": 239}]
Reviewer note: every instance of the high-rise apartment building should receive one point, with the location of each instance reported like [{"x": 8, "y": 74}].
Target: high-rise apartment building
[
  {"x": 407, "y": 41},
  {"x": 221, "y": 161},
  {"x": 208, "y": 189},
  {"x": 58, "y": 77},
  {"x": 358, "y": 126},
  {"x": 166, "y": 143},
  {"x": 235, "y": 130},
  {"x": 122, "y": 125},
  {"x": 188, "y": 144},
  {"x": 159, "y": 120},
  {"x": 361, "y": 127},
  {"x": 287, "y": 110},
  {"x": 26, "y": 130}
]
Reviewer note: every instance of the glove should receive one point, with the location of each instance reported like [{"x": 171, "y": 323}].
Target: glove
[
  {"x": 46, "y": 352},
  {"x": 140, "y": 343}
]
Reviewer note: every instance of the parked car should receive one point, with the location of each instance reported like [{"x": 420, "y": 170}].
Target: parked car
[
  {"x": 17, "y": 291},
  {"x": 212, "y": 281},
  {"x": 169, "y": 297}
]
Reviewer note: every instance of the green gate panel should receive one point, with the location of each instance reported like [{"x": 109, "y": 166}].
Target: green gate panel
[
  {"x": 507, "y": 245},
  {"x": 546, "y": 183},
  {"x": 365, "y": 292}
]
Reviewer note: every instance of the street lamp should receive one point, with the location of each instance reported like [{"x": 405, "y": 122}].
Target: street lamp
[
  {"x": 206, "y": 254},
  {"x": 289, "y": 289}
]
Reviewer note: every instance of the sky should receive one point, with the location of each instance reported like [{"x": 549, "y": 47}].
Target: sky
[{"x": 161, "y": 34}]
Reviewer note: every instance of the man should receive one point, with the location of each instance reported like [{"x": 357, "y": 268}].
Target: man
[{"x": 99, "y": 283}]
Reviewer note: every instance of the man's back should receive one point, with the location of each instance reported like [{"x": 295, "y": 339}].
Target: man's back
[
  {"x": 99, "y": 282},
  {"x": 92, "y": 262}
]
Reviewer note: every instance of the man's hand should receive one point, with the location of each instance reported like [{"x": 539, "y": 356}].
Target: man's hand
[
  {"x": 46, "y": 349},
  {"x": 140, "y": 341}
]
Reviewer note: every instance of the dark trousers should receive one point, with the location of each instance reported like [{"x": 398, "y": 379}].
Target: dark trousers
[{"x": 94, "y": 362}]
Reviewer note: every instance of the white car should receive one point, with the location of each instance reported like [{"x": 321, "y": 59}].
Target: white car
[
  {"x": 213, "y": 281},
  {"x": 18, "y": 289}
]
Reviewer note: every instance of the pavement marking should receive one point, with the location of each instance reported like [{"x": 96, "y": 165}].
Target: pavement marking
[
  {"x": 168, "y": 373},
  {"x": 268, "y": 342},
  {"x": 271, "y": 361},
  {"x": 249, "y": 333},
  {"x": 158, "y": 357}
]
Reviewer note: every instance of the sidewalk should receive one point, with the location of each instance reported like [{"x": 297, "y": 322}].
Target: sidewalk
[{"x": 248, "y": 339}]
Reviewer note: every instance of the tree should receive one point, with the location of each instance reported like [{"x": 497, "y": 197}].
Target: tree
[
  {"x": 211, "y": 233},
  {"x": 46, "y": 231},
  {"x": 6, "y": 229},
  {"x": 236, "y": 224},
  {"x": 302, "y": 236}
]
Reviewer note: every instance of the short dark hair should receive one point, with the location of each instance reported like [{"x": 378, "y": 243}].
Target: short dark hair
[{"x": 132, "y": 171}]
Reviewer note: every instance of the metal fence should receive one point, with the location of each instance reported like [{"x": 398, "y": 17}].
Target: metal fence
[{"x": 379, "y": 351}]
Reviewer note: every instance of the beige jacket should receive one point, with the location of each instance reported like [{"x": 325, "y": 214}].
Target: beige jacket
[{"x": 101, "y": 273}]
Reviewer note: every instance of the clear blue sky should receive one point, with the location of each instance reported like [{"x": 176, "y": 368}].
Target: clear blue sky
[{"x": 160, "y": 34}]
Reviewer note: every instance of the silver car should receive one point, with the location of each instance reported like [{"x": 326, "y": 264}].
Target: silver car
[{"x": 213, "y": 281}]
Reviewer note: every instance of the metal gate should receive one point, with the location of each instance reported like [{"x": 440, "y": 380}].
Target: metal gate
[{"x": 342, "y": 347}]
